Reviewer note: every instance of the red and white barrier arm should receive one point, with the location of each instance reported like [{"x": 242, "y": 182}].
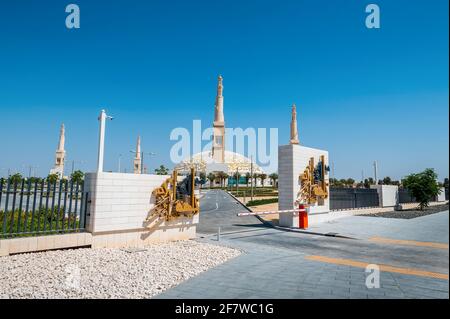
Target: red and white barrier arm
[{"x": 274, "y": 212}]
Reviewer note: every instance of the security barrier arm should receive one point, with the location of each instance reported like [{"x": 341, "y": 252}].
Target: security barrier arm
[{"x": 304, "y": 210}]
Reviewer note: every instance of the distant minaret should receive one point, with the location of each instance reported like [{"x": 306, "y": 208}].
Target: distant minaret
[
  {"x": 294, "y": 131},
  {"x": 137, "y": 167},
  {"x": 60, "y": 155},
  {"x": 218, "y": 148}
]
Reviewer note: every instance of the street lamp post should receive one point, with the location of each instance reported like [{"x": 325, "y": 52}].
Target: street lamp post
[
  {"x": 73, "y": 164},
  {"x": 375, "y": 168},
  {"x": 251, "y": 177},
  {"x": 32, "y": 168},
  {"x": 8, "y": 170},
  {"x": 101, "y": 141}
]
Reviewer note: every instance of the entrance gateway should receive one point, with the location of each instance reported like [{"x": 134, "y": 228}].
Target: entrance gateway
[{"x": 303, "y": 178}]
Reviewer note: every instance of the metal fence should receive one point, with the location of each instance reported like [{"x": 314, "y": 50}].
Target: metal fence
[
  {"x": 405, "y": 197},
  {"x": 347, "y": 198},
  {"x": 30, "y": 208}
]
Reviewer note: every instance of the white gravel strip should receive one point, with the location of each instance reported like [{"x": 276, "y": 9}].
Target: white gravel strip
[{"x": 107, "y": 273}]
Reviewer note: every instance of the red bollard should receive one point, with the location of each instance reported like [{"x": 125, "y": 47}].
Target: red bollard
[{"x": 302, "y": 218}]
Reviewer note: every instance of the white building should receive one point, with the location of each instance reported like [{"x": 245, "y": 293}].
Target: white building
[{"x": 218, "y": 159}]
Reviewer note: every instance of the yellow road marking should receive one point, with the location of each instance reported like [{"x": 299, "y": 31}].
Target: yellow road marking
[
  {"x": 387, "y": 268},
  {"x": 409, "y": 242}
]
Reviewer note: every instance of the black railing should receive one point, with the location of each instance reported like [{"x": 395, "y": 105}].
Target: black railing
[
  {"x": 348, "y": 198},
  {"x": 404, "y": 196},
  {"x": 30, "y": 208}
]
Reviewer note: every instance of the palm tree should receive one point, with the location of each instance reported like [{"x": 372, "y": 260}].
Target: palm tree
[
  {"x": 33, "y": 180},
  {"x": 77, "y": 177},
  {"x": 202, "y": 176},
  {"x": 263, "y": 177},
  {"x": 274, "y": 178},
  {"x": 222, "y": 176},
  {"x": 162, "y": 170},
  {"x": 211, "y": 178},
  {"x": 52, "y": 178},
  {"x": 236, "y": 177},
  {"x": 255, "y": 178},
  {"x": 247, "y": 178},
  {"x": 15, "y": 179},
  {"x": 349, "y": 182}
]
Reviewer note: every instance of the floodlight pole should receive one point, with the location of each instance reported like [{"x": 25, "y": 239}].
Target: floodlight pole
[
  {"x": 101, "y": 141},
  {"x": 251, "y": 177},
  {"x": 375, "y": 168}
]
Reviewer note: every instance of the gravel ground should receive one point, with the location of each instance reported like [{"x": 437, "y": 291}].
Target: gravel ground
[
  {"x": 410, "y": 213},
  {"x": 107, "y": 273}
]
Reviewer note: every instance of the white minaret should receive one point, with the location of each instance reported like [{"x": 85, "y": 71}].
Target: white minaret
[
  {"x": 294, "y": 130},
  {"x": 137, "y": 167},
  {"x": 60, "y": 155},
  {"x": 218, "y": 148}
]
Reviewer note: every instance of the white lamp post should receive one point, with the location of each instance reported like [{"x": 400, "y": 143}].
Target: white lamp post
[{"x": 101, "y": 142}]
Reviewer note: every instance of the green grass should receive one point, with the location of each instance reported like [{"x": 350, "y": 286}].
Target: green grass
[
  {"x": 248, "y": 194},
  {"x": 256, "y": 192},
  {"x": 258, "y": 202},
  {"x": 45, "y": 221}
]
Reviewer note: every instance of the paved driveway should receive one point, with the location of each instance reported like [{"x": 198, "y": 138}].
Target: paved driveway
[
  {"x": 282, "y": 264},
  {"x": 219, "y": 209}
]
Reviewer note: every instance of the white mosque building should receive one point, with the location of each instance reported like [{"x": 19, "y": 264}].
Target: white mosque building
[{"x": 218, "y": 159}]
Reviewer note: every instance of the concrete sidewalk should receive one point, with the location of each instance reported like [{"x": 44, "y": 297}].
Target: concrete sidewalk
[
  {"x": 278, "y": 264},
  {"x": 430, "y": 228}
]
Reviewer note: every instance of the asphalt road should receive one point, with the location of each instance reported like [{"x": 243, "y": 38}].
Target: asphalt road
[{"x": 219, "y": 209}]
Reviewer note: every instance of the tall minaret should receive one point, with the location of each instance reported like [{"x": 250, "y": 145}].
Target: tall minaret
[
  {"x": 218, "y": 148},
  {"x": 294, "y": 131},
  {"x": 137, "y": 167},
  {"x": 60, "y": 155}
]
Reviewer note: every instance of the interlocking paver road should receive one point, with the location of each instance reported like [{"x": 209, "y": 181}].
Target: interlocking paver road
[{"x": 281, "y": 264}]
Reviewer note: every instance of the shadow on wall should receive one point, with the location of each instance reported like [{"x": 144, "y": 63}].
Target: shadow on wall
[{"x": 155, "y": 223}]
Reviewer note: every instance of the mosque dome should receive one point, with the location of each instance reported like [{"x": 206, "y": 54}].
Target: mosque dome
[{"x": 204, "y": 162}]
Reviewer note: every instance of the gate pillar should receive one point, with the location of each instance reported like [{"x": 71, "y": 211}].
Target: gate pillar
[{"x": 303, "y": 178}]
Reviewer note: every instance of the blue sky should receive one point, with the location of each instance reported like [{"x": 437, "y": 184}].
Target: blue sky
[{"x": 362, "y": 94}]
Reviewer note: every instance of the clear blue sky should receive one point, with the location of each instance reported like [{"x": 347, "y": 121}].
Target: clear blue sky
[{"x": 362, "y": 94}]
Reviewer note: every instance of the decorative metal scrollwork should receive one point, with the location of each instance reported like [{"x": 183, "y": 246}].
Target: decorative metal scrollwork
[
  {"x": 173, "y": 199},
  {"x": 312, "y": 182}
]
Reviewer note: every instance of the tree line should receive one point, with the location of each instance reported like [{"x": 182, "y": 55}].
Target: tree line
[
  {"x": 351, "y": 183},
  {"x": 76, "y": 177},
  {"x": 248, "y": 178}
]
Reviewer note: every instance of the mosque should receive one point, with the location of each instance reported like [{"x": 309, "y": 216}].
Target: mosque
[{"x": 218, "y": 159}]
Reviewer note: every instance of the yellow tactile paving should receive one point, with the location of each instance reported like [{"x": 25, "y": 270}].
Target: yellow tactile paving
[
  {"x": 409, "y": 242},
  {"x": 387, "y": 268}
]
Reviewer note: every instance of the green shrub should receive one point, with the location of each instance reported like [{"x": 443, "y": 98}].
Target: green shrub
[
  {"x": 258, "y": 202},
  {"x": 43, "y": 220},
  {"x": 423, "y": 186}
]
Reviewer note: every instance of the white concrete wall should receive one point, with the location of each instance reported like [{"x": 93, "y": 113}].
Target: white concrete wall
[
  {"x": 120, "y": 204},
  {"x": 42, "y": 243},
  {"x": 292, "y": 161},
  {"x": 387, "y": 195},
  {"x": 441, "y": 196}
]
